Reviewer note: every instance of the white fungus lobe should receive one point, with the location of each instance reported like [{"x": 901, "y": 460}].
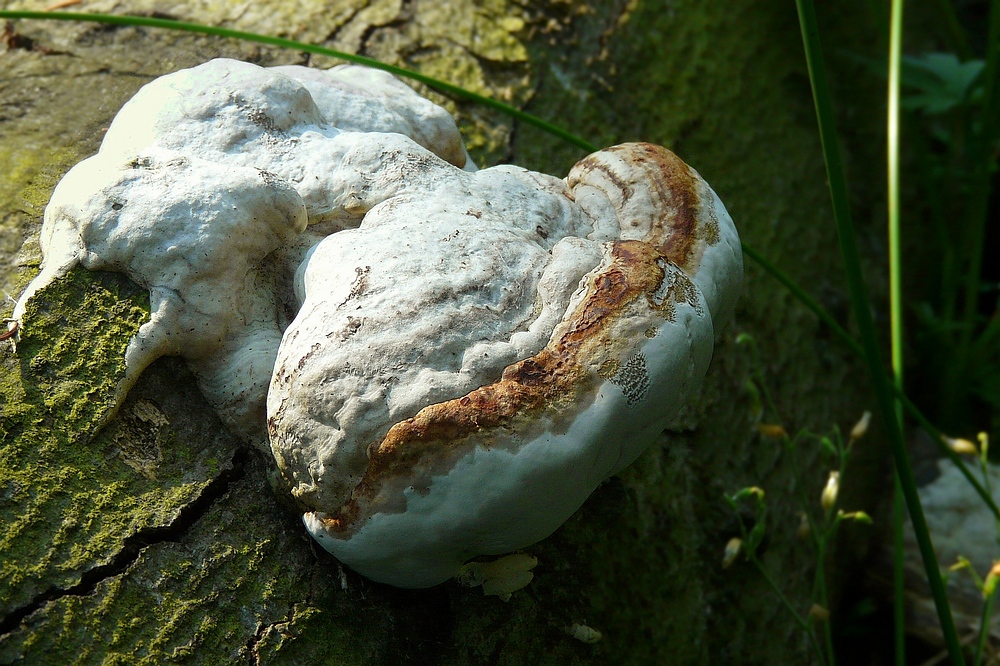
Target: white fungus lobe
[{"x": 450, "y": 360}]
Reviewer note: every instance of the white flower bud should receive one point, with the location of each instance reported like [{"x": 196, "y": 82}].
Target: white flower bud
[
  {"x": 829, "y": 497},
  {"x": 733, "y": 549},
  {"x": 861, "y": 427},
  {"x": 962, "y": 447}
]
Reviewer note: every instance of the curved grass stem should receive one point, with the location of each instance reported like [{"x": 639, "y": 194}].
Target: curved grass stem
[{"x": 185, "y": 26}]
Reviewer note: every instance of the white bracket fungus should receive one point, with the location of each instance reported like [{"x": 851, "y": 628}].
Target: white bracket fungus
[{"x": 451, "y": 359}]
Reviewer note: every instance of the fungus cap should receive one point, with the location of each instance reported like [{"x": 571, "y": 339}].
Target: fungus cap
[{"x": 474, "y": 359}]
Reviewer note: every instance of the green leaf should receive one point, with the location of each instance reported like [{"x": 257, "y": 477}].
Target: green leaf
[
  {"x": 943, "y": 81},
  {"x": 828, "y": 445}
]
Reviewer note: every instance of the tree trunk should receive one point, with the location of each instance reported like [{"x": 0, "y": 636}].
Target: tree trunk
[{"x": 158, "y": 538}]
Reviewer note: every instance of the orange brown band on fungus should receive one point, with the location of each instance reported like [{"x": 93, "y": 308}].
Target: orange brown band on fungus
[
  {"x": 676, "y": 229},
  {"x": 532, "y": 395}
]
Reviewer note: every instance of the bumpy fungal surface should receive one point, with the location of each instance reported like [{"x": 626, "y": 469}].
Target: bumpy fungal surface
[
  {"x": 425, "y": 472},
  {"x": 202, "y": 175},
  {"x": 451, "y": 359}
]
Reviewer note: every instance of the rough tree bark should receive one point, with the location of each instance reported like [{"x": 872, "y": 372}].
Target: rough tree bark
[{"x": 158, "y": 539}]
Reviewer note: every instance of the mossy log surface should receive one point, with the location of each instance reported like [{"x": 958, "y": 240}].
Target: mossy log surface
[{"x": 158, "y": 538}]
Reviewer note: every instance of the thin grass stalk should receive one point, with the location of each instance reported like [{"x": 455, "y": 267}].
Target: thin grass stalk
[
  {"x": 892, "y": 162},
  {"x": 989, "y": 587},
  {"x": 859, "y": 300},
  {"x": 984, "y": 628},
  {"x": 961, "y": 290},
  {"x": 804, "y": 297},
  {"x": 831, "y": 659},
  {"x": 896, "y": 320},
  {"x": 898, "y": 573},
  {"x": 832, "y": 519},
  {"x": 436, "y": 84}
]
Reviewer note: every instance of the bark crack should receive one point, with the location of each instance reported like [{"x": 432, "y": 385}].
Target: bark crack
[
  {"x": 263, "y": 629},
  {"x": 135, "y": 544},
  {"x": 404, "y": 16},
  {"x": 332, "y": 36},
  {"x": 252, "y": 644}
]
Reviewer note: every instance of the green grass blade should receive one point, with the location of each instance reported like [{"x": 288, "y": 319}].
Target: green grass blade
[
  {"x": 859, "y": 300},
  {"x": 892, "y": 162},
  {"x": 437, "y": 84},
  {"x": 898, "y": 573},
  {"x": 896, "y": 320},
  {"x": 984, "y": 629}
]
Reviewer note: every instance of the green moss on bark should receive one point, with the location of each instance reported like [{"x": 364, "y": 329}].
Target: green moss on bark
[
  {"x": 201, "y": 600},
  {"x": 70, "y": 499}
]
